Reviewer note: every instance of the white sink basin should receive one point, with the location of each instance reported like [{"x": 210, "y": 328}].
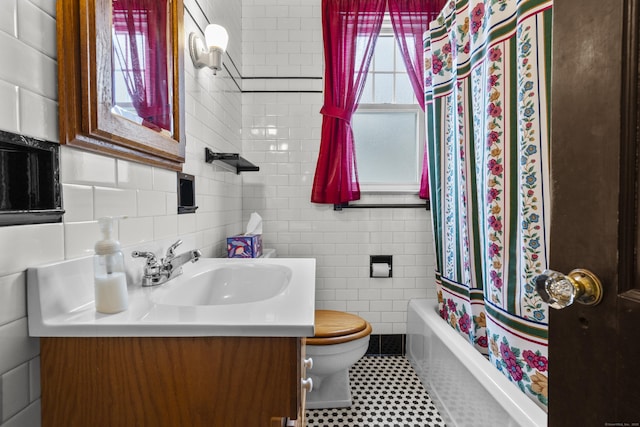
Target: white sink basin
[
  {"x": 231, "y": 284},
  {"x": 212, "y": 297}
]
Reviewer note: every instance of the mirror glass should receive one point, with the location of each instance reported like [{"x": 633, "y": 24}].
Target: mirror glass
[
  {"x": 142, "y": 63},
  {"x": 120, "y": 79}
]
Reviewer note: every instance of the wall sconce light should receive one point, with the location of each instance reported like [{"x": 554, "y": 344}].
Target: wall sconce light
[{"x": 208, "y": 51}]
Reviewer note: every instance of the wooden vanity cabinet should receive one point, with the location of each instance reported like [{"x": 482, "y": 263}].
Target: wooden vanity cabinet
[{"x": 171, "y": 381}]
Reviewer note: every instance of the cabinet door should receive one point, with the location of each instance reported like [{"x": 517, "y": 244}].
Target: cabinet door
[{"x": 169, "y": 381}]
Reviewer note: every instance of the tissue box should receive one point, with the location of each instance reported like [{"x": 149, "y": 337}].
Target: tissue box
[{"x": 244, "y": 246}]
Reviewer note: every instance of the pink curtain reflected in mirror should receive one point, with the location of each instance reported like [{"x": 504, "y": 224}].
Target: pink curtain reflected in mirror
[{"x": 141, "y": 63}]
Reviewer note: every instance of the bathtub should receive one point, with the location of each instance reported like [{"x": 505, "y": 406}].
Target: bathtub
[{"x": 465, "y": 387}]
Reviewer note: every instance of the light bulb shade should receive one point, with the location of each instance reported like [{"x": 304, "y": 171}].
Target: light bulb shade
[{"x": 216, "y": 36}]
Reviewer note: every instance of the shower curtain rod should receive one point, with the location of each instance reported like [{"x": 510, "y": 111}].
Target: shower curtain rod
[{"x": 341, "y": 206}]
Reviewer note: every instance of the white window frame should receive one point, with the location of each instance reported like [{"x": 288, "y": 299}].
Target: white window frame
[{"x": 404, "y": 188}]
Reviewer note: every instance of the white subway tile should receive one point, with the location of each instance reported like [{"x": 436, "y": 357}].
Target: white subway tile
[
  {"x": 415, "y": 293},
  {"x": 252, "y": 12},
  {"x": 151, "y": 203},
  {"x": 301, "y": 11},
  {"x": 369, "y": 294},
  {"x": 359, "y": 282},
  {"x": 77, "y": 201},
  {"x": 186, "y": 223},
  {"x": 114, "y": 202},
  {"x": 15, "y": 391},
  {"x": 29, "y": 417},
  {"x": 404, "y": 282},
  {"x": 82, "y": 167},
  {"x": 134, "y": 175},
  {"x": 29, "y": 245},
  {"x": 380, "y": 306},
  {"x": 80, "y": 238},
  {"x": 288, "y": 23},
  {"x": 8, "y": 17},
  {"x": 346, "y": 294},
  {"x": 134, "y": 231},
  {"x": 16, "y": 346},
  {"x": 335, "y": 283},
  {"x": 34, "y": 379},
  {"x": 355, "y": 306},
  {"x": 334, "y": 305},
  {"x": 348, "y": 272},
  {"x": 325, "y": 272},
  {"x": 171, "y": 201},
  {"x": 325, "y": 294},
  {"x": 48, "y": 6},
  {"x": 392, "y": 294},
  {"x": 276, "y": 11},
  {"x": 30, "y": 69},
  {"x": 165, "y": 226},
  {"x": 35, "y": 27},
  {"x": 400, "y": 305},
  {"x": 381, "y": 283},
  {"x": 415, "y": 270},
  {"x": 399, "y": 328},
  {"x": 382, "y": 328},
  {"x": 9, "y": 107},
  {"x": 13, "y": 299},
  {"x": 165, "y": 180},
  {"x": 393, "y": 317}
]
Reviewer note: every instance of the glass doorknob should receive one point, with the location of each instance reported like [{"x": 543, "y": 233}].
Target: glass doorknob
[{"x": 560, "y": 291}]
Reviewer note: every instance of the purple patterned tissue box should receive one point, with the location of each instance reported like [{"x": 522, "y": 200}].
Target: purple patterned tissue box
[{"x": 244, "y": 246}]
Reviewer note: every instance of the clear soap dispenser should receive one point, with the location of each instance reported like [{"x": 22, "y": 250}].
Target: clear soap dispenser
[{"x": 108, "y": 268}]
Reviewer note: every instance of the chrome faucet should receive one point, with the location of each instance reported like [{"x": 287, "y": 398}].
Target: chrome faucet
[{"x": 157, "y": 273}]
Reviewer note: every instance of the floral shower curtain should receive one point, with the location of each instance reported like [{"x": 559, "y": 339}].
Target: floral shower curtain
[{"x": 487, "y": 83}]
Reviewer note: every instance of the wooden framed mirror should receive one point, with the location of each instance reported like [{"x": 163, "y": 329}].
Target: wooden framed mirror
[{"x": 120, "y": 78}]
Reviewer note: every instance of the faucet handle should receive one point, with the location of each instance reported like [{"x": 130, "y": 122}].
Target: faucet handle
[
  {"x": 171, "y": 251},
  {"x": 150, "y": 256}
]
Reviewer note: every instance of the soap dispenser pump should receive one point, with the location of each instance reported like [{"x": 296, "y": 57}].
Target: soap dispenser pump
[{"x": 108, "y": 267}]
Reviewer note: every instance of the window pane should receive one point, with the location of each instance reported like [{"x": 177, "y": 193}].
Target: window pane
[
  {"x": 386, "y": 147},
  {"x": 367, "y": 91},
  {"x": 404, "y": 90},
  {"x": 399, "y": 61},
  {"x": 383, "y": 88},
  {"x": 384, "y": 54}
]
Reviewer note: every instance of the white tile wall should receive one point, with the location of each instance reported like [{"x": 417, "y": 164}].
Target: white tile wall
[
  {"x": 281, "y": 133},
  {"x": 95, "y": 185}
]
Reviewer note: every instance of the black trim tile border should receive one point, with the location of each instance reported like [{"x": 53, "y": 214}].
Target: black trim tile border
[{"x": 387, "y": 345}]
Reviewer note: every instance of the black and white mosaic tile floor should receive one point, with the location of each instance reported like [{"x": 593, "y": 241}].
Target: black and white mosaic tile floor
[{"x": 386, "y": 392}]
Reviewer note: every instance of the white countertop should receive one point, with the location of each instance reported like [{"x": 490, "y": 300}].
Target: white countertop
[{"x": 61, "y": 304}]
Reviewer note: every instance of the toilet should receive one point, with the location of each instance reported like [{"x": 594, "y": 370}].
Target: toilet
[{"x": 340, "y": 340}]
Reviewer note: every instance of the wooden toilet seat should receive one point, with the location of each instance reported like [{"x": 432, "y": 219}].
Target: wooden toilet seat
[{"x": 336, "y": 327}]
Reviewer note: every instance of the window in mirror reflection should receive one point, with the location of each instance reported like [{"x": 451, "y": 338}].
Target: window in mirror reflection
[{"x": 142, "y": 63}]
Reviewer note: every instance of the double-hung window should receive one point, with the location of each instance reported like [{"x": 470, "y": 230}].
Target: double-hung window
[{"x": 388, "y": 125}]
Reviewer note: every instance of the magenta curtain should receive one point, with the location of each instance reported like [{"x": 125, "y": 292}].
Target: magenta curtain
[
  {"x": 350, "y": 30},
  {"x": 410, "y": 19},
  {"x": 144, "y": 58}
]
